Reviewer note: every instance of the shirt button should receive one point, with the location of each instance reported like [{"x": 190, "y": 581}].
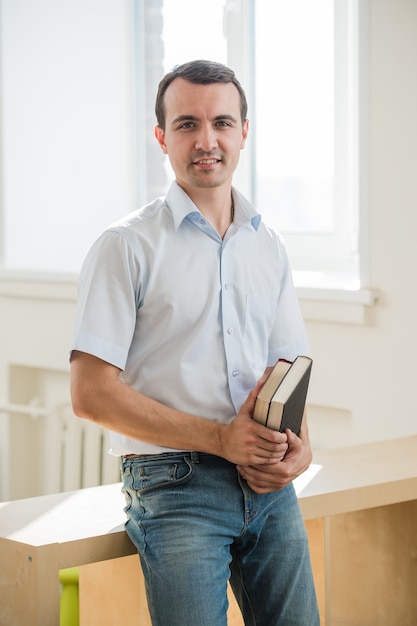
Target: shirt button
[
  {"x": 231, "y": 331},
  {"x": 235, "y": 373},
  {"x": 227, "y": 285}
]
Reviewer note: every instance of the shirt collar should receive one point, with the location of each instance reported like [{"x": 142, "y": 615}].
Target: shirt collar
[{"x": 181, "y": 206}]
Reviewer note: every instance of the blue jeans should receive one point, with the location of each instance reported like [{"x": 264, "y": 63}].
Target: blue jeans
[{"x": 197, "y": 525}]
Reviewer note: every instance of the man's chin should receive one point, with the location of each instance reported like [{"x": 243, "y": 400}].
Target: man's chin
[{"x": 207, "y": 180}]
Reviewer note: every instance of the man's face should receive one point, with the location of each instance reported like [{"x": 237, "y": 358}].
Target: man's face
[{"x": 203, "y": 133}]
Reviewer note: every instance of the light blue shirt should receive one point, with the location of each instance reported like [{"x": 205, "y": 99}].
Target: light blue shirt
[{"x": 191, "y": 319}]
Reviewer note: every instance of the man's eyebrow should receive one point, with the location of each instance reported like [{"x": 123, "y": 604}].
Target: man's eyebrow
[
  {"x": 231, "y": 118},
  {"x": 184, "y": 118},
  {"x": 193, "y": 118}
]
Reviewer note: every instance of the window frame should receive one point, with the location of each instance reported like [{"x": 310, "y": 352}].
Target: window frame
[{"x": 338, "y": 260}]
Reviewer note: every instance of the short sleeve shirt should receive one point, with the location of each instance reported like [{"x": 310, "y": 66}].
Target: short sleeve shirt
[{"x": 189, "y": 318}]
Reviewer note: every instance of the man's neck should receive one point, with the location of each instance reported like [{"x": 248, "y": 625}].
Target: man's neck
[{"x": 216, "y": 204}]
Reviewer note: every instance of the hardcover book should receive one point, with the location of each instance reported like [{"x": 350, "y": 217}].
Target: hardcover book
[{"x": 281, "y": 400}]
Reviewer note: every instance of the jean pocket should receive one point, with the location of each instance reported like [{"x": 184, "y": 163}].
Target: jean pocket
[{"x": 154, "y": 474}]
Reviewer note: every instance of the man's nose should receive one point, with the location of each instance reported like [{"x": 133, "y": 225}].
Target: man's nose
[{"x": 206, "y": 139}]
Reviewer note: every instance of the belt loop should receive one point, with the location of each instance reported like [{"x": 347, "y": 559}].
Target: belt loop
[{"x": 195, "y": 457}]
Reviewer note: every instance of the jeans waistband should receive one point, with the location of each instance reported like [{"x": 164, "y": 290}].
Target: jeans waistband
[{"x": 192, "y": 455}]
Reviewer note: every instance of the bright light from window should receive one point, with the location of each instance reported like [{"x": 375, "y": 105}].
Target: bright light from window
[
  {"x": 75, "y": 154},
  {"x": 66, "y": 128},
  {"x": 193, "y": 30},
  {"x": 294, "y": 90},
  {"x": 182, "y": 43}
]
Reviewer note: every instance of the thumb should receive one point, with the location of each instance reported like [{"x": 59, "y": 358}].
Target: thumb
[
  {"x": 292, "y": 438},
  {"x": 249, "y": 403}
]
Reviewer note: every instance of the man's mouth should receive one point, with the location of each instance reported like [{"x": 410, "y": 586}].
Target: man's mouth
[{"x": 207, "y": 162}]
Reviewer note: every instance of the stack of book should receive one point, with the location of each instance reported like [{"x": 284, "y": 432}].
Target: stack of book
[{"x": 281, "y": 400}]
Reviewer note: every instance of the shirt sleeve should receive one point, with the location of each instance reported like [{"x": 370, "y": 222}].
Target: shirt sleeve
[{"x": 107, "y": 300}]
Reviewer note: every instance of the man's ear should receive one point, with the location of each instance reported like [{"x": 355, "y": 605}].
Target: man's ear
[
  {"x": 245, "y": 131},
  {"x": 160, "y": 138}
]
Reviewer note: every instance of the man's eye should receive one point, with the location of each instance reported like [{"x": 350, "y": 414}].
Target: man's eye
[
  {"x": 187, "y": 125},
  {"x": 222, "y": 123}
]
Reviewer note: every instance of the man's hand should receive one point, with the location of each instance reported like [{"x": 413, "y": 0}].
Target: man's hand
[
  {"x": 264, "y": 478},
  {"x": 245, "y": 442}
]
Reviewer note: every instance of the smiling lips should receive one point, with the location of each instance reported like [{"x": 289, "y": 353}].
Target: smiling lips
[{"x": 203, "y": 162}]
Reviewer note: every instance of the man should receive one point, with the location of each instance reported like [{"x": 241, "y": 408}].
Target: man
[{"x": 183, "y": 307}]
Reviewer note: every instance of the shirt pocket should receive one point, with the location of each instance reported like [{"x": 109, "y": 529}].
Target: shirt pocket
[{"x": 259, "y": 321}]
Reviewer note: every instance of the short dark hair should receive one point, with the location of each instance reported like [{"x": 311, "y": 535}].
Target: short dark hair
[{"x": 201, "y": 73}]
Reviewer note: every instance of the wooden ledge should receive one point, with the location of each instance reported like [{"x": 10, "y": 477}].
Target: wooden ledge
[
  {"x": 88, "y": 524},
  {"x": 359, "y": 477}
]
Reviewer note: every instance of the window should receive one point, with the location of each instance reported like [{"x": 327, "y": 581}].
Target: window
[
  {"x": 298, "y": 62},
  {"x": 78, "y": 88},
  {"x": 303, "y": 91},
  {"x": 66, "y": 127}
]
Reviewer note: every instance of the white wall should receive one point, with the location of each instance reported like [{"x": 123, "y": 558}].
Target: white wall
[{"x": 364, "y": 373}]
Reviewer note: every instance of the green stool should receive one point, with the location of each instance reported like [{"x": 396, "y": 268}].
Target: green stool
[{"x": 69, "y": 613}]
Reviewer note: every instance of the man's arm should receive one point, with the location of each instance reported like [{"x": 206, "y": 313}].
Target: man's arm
[{"x": 99, "y": 395}]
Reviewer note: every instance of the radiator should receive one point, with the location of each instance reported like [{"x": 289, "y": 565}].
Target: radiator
[{"x": 73, "y": 452}]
